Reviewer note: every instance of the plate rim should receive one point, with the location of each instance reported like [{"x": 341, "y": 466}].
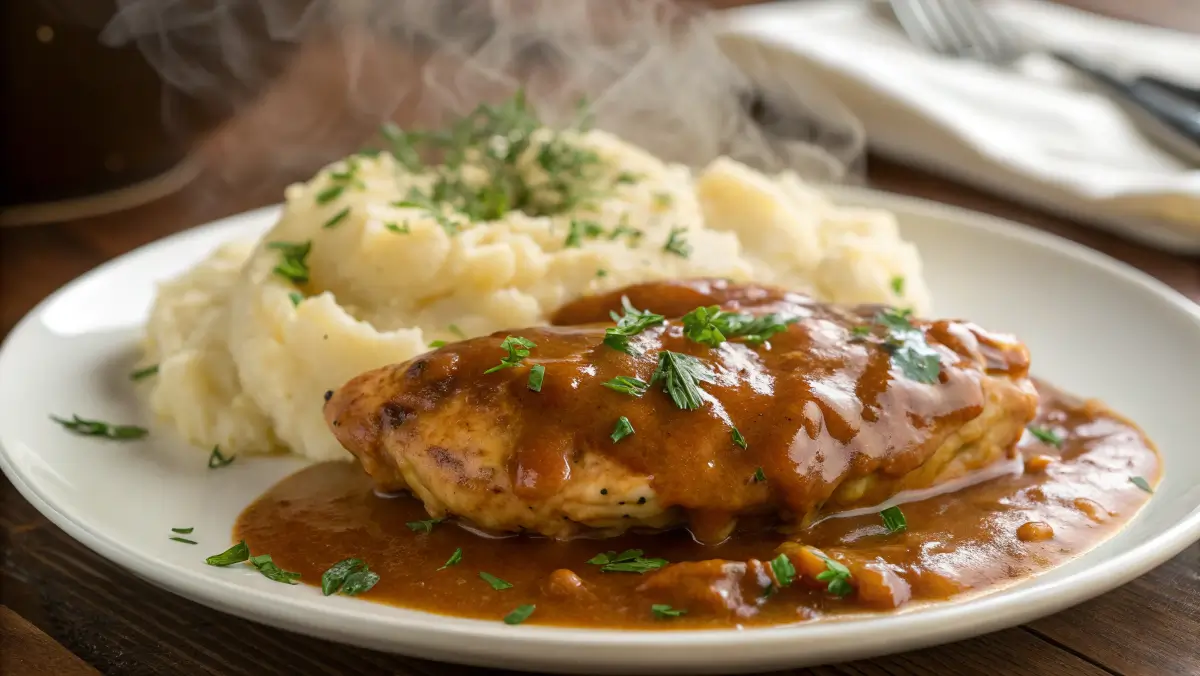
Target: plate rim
[{"x": 421, "y": 632}]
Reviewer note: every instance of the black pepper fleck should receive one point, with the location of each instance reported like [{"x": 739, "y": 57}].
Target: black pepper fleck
[
  {"x": 603, "y": 491},
  {"x": 328, "y": 395},
  {"x": 642, "y": 500}
]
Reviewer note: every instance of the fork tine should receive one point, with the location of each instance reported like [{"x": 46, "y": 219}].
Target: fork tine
[
  {"x": 980, "y": 30},
  {"x": 926, "y": 23}
]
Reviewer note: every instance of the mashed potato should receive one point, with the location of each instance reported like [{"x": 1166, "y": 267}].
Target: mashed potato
[{"x": 366, "y": 268}]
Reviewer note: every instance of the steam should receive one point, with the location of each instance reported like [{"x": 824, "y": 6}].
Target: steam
[{"x": 310, "y": 80}]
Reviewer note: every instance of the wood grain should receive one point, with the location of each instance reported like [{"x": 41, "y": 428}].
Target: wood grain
[{"x": 122, "y": 625}]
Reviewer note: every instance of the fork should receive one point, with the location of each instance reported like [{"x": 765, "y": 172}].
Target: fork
[{"x": 965, "y": 29}]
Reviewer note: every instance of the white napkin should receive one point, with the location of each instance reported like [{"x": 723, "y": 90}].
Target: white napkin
[{"x": 1034, "y": 132}]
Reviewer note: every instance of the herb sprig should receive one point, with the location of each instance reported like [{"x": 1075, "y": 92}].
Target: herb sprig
[
  {"x": 98, "y": 428},
  {"x": 628, "y": 561},
  {"x": 629, "y": 324},
  {"x": 909, "y": 351},
  {"x": 518, "y": 349},
  {"x": 681, "y": 375}
]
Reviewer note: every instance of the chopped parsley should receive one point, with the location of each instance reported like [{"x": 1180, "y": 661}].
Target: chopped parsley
[
  {"x": 518, "y": 349},
  {"x": 454, "y": 560},
  {"x": 907, "y": 346},
  {"x": 677, "y": 243},
  {"x": 398, "y": 229},
  {"x": 633, "y": 322},
  {"x": 837, "y": 575},
  {"x": 537, "y": 373},
  {"x": 737, "y": 437},
  {"x": 144, "y": 372},
  {"x": 437, "y": 343},
  {"x": 418, "y": 200},
  {"x": 497, "y": 583},
  {"x": 681, "y": 375},
  {"x": 700, "y": 326},
  {"x": 1141, "y": 483},
  {"x": 184, "y": 540},
  {"x": 97, "y": 428},
  {"x": 183, "y": 531},
  {"x": 759, "y": 476},
  {"x": 783, "y": 570},
  {"x": 893, "y": 519},
  {"x": 235, "y": 554},
  {"x": 296, "y": 297},
  {"x": 602, "y": 272},
  {"x": 520, "y": 614},
  {"x": 579, "y": 230},
  {"x": 627, "y": 177},
  {"x": 337, "y": 218},
  {"x": 632, "y": 235},
  {"x": 711, "y": 326},
  {"x": 623, "y": 429},
  {"x": 898, "y": 285},
  {"x": 1046, "y": 435},
  {"x": 628, "y": 561},
  {"x": 350, "y": 577},
  {"x": 663, "y": 611},
  {"x": 860, "y": 331},
  {"x": 267, "y": 567},
  {"x": 425, "y": 526},
  {"x": 217, "y": 460},
  {"x": 634, "y": 387},
  {"x": 293, "y": 265},
  {"x": 330, "y": 194}
]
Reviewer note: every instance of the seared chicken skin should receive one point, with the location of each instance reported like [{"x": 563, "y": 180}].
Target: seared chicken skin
[{"x": 844, "y": 408}]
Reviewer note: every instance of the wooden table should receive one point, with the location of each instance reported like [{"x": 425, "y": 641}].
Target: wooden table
[{"x": 122, "y": 625}]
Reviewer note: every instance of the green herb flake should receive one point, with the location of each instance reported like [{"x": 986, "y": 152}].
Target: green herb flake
[
  {"x": 144, "y": 372},
  {"x": 293, "y": 265},
  {"x": 454, "y": 560},
  {"x": 217, "y": 460},
  {"x": 337, "y": 218},
  {"x": 737, "y": 437},
  {"x": 183, "y": 531},
  {"x": 1141, "y": 483},
  {"x": 357, "y": 583},
  {"x": 1046, "y": 435},
  {"x": 677, "y": 243},
  {"x": 623, "y": 429},
  {"x": 335, "y": 577},
  {"x": 909, "y": 350},
  {"x": 898, "y": 285},
  {"x": 627, "y": 177},
  {"x": 235, "y": 554},
  {"x": 184, "y": 540},
  {"x": 861, "y": 331},
  {"x": 97, "y": 428},
  {"x": 296, "y": 297},
  {"x": 520, "y": 614},
  {"x": 330, "y": 194},
  {"x": 663, "y": 611},
  {"x": 425, "y": 526},
  {"x": 759, "y": 476},
  {"x": 783, "y": 570},
  {"x": 628, "y": 561},
  {"x": 437, "y": 343},
  {"x": 580, "y": 229},
  {"x": 537, "y": 373},
  {"x": 837, "y": 576},
  {"x": 681, "y": 375},
  {"x": 631, "y": 323},
  {"x": 398, "y": 229},
  {"x": 267, "y": 567},
  {"x": 602, "y": 273},
  {"x": 518, "y": 349},
  {"x": 700, "y": 326},
  {"x": 634, "y": 387},
  {"x": 497, "y": 583},
  {"x": 893, "y": 519}
]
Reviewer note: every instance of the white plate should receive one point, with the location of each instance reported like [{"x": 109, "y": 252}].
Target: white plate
[{"x": 1094, "y": 326}]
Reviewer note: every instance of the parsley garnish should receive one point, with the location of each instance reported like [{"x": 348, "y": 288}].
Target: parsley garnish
[
  {"x": 293, "y": 266},
  {"x": 519, "y": 614},
  {"x": 235, "y": 554},
  {"x": 497, "y": 583},
  {"x": 96, "y": 428},
  {"x": 216, "y": 460},
  {"x": 602, "y": 272},
  {"x": 579, "y": 230},
  {"x": 711, "y": 326},
  {"x": 759, "y": 476},
  {"x": 399, "y": 230},
  {"x": 623, "y": 429},
  {"x": 1141, "y": 483},
  {"x": 425, "y": 526},
  {"x": 184, "y": 540},
  {"x": 267, "y": 567},
  {"x": 737, "y": 437},
  {"x": 893, "y": 519},
  {"x": 898, "y": 285},
  {"x": 906, "y": 343},
  {"x": 623, "y": 228},
  {"x": 330, "y": 194},
  {"x": 1046, "y": 435},
  {"x": 634, "y": 387},
  {"x": 296, "y": 297},
  {"x": 861, "y": 331},
  {"x": 700, "y": 326},
  {"x": 437, "y": 343},
  {"x": 537, "y": 373},
  {"x": 183, "y": 531},
  {"x": 337, "y": 218},
  {"x": 518, "y": 349},
  {"x": 784, "y": 571},
  {"x": 628, "y": 561},
  {"x": 349, "y": 576},
  {"x": 837, "y": 575},
  {"x": 663, "y": 611},
  {"x": 677, "y": 243},
  {"x": 144, "y": 372},
  {"x": 454, "y": 560},
  {"x": 627, "y": 177},
  {"x": 681, "y": 375},
  {"x": 633, "y": 322}
]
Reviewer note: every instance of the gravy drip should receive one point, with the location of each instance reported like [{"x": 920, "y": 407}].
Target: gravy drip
[{"x": 984, "y": 537}]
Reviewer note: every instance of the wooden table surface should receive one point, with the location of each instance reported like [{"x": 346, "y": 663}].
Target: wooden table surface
[{"x": 122, "y": 625}]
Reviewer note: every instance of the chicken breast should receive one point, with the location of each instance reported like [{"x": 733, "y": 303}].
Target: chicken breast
[{"x": 837, "y": 408}]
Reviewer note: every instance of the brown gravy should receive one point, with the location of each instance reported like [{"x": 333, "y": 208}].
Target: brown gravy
[{"x": 1065, "y": 501}]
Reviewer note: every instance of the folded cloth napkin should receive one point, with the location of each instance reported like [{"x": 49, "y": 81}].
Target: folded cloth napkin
[{"x": 1033, "y": 132}]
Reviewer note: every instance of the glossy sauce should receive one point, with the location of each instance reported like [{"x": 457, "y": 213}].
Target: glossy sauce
[{"x": 1056, "y": 504}]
